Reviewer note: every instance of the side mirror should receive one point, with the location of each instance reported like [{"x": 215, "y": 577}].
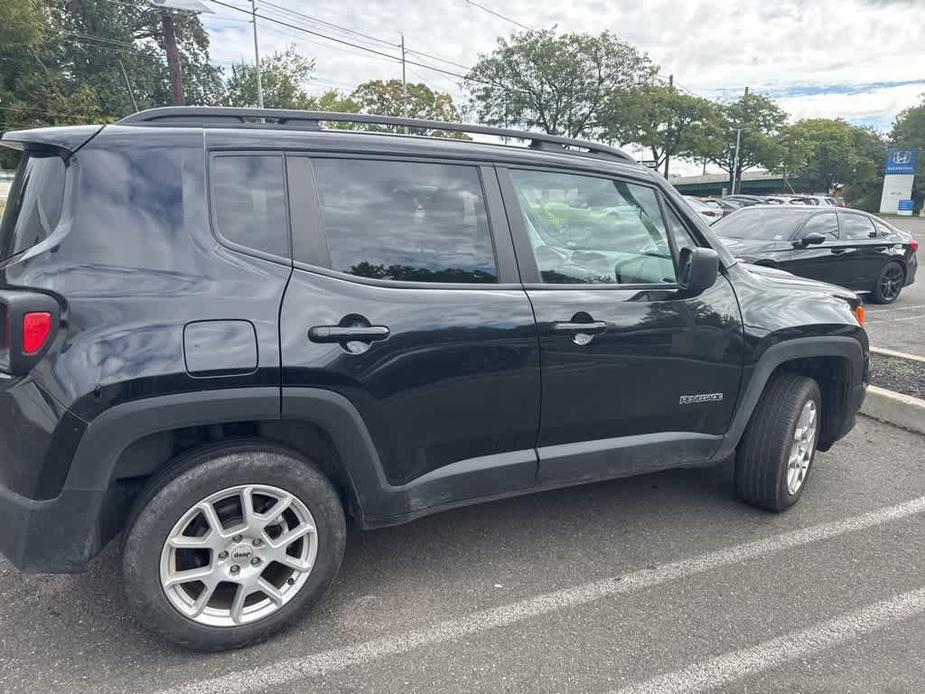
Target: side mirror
[
  {"x": 813, "y": 238},
  {"x": 699, "y": 268}
]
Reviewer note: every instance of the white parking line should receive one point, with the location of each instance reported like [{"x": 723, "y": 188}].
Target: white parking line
[
  {"x": 894, "y": 320},
  {"x": 315, "y": 664},
  {"x": 749, "y": 661},
  {"x": 874, "y": 311}
]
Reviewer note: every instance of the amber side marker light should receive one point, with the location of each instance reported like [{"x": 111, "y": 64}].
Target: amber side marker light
[{"x": 860, "y": 314}]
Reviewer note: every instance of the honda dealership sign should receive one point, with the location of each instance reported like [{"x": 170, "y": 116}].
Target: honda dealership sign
[
  {"x": 897, "y": 183},
  {"x": 900, "y": 160}
]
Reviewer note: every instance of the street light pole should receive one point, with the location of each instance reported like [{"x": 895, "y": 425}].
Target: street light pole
[
  {"x": 257, "y": 55},
  {"x": 735, "y": 161}
]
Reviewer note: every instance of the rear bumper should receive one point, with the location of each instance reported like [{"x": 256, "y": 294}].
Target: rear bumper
[{"x": 55, "y": 536}]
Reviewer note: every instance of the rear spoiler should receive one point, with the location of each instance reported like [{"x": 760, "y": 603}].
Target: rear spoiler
[{"x": 63, "y": 140}]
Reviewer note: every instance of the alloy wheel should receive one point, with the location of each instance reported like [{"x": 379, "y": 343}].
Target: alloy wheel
[
  {"x": 801, "y": 451},
  {"x": 891, "y": 281},
  {"x": 239, "y": 555}
]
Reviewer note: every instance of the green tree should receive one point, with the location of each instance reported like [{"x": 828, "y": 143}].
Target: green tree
[
  {"x": 864, "y": 185},
  {"x": 568, "y": 84},
  {"x": 758, "y": 122},
  {"x": 666, "y": 122},
  {"x": 333, "y": 100},
  {"x": 62, "y": 61},
  {"x": 909, "y": 131},
  {"x": 791, "y": 153},
  {"x": 829, "y": 153},
  {"x": 283, "y": 77},
  {"x": 384, "y": 98},
  {"x": 21, "y": 25}
]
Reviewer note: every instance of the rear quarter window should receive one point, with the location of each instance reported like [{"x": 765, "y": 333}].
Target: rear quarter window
[
  {"x": 33, "y": 205},
  {"x": 249, "y": 201}
]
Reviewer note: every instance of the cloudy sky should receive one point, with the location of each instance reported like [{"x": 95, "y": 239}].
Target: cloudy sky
[{"x": 862, "y": 60}]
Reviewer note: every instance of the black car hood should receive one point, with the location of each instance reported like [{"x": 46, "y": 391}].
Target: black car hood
[
  {"x": 782, "y": 278},
  {"x": 748, "y": 248}
]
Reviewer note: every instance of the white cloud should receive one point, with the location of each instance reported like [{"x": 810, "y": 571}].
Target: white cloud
[
  {"x": 876, "y": 107},
  {"x": 781, "y": 47}
]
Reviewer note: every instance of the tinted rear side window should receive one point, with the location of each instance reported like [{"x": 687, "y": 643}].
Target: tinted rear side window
[
  {"x": 250, "y": 201},
  {"x": 856, "y": 226},
  {"x": 761, "y": 223},
  {"x": 33, "y": 206},
  {"x": 409, "y": 221}
]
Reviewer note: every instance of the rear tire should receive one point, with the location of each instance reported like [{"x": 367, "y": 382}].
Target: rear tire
[
  {"x": 258, "y": 578},
  {"x": 776, "y": 452},
  {"x": 889, "y": 283}
]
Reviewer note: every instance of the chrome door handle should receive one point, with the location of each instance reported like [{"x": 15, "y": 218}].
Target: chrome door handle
[
  {"x": 340, "y": 333},
  {"x": 571, "y": 328}
]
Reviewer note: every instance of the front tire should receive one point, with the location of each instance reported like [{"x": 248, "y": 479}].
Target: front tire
[
  {"x": 889, "y": 283},
  {"x": 230, "y": 544},
  {"x": 776, "y": 452}
]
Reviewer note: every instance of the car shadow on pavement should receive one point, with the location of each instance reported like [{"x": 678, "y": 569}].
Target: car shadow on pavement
[{"x": 439, "y": 567}]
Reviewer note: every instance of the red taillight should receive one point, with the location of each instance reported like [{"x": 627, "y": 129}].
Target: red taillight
[
  {"x": 915, "y": 246},
  {"x": 36, "y": 327}
]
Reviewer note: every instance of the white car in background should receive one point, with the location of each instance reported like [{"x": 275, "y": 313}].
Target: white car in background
[
  {"x": 819, "y": 200},
  {"x": 708, "y": 210}
]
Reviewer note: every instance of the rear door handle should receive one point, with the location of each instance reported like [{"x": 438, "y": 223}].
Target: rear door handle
[
  {"x": 571, "y": 328},
  {"x": 340, "y": 333}
]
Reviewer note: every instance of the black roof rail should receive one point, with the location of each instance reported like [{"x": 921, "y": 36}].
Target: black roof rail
[{"x": 230, "y": 117}]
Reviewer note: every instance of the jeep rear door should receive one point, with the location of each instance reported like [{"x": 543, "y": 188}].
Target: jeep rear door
[
  {"x": 636, "y": 375},
  {"x": 405, "y": 300}
]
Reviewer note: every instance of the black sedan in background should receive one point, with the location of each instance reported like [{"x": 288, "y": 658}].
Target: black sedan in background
[{"x": 845, "y": 247}]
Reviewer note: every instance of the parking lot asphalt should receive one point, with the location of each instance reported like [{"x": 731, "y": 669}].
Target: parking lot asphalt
[
  {"x": 662, "y": 583},
  {"x": 901, "y": 325}
]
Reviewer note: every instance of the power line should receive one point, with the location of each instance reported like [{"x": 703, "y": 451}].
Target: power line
[
  {"x": 342, "y": 41},
  {"x": 442, "y": 60},
  {"x": 329, "y": 24},
  {"x": 284, "y": 32},
  {"x": 499, "y": 15},
  {"x": 104, "y": 39},
  {"x": 367, "y": 49},
  {"x": 688, "y": 90},
  {"x": 362, "y": 34}
]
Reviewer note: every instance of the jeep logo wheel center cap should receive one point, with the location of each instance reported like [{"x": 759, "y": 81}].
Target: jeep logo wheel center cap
[{"x": 242, "y": 553}]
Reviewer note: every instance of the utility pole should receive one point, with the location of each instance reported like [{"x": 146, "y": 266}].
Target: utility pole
[
  {"x": 736, "y": 176},
  {"x": 177, "y": 97},
  {"x": 735, "y": 161},
  {"x": 257, "y": 56},
  {"x": 404, "y": 83},
  {"x": 667, "y": 157}
]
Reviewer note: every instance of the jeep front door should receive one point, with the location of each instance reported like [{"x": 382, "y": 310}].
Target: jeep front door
[{"x": 636, "y": 375}]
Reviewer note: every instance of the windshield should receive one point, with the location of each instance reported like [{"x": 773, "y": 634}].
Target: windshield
[
  {"x": 765, "y": 224},
  {"x": 33, "y": 207}
]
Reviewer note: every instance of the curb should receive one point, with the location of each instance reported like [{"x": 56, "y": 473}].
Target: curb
[
  {"x": 894, "y": 353},
  {"x": 893, "y": 408}
]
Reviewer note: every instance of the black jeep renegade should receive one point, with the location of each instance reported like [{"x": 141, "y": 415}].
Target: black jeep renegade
[{"x": 224, "y": 330}]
